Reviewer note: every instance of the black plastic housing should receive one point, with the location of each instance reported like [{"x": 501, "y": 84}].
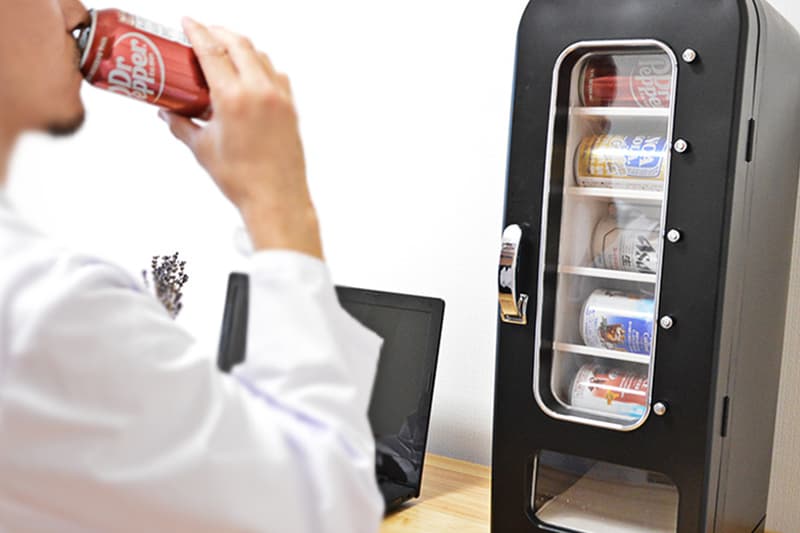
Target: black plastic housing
[{"x": 733, "y": 197}]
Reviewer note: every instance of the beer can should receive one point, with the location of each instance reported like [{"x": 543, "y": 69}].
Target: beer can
[
  {"x": 627, "y": 240},
  {"x": 608, "y": 390},
  {"x": 620, "y": 321},
  {"x": 619, "y": 161},
  {"x": 135, "y": 57},
  {"x": 627, "y": 80}
]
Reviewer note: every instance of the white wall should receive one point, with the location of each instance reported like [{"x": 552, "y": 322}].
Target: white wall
[{"x": 405, "y": 110}]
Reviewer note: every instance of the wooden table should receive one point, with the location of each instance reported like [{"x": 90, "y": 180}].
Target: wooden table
[{"x": 455, "y": 497}]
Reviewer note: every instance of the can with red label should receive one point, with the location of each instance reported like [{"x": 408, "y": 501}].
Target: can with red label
[
  {"x": 609, "y": 390},
  {"x": 627, "y": 80},
  {"x": 132, "y": 56}
]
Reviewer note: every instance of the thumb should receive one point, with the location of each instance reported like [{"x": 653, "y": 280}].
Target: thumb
[{"x": 181, "y": 127}]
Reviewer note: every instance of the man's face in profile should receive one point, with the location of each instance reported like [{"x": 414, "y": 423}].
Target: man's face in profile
[{"x": 39, "y": 77}]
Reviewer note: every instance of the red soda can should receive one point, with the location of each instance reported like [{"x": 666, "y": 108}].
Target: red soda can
[
  {"x": 627, "y": 80},
  {"x": 607, "y": 390},
  {"x": 135, "y": 57}
]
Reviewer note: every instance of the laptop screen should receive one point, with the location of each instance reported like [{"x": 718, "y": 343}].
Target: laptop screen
[
  {"x": 400, "y": 406},
  {"x": 401, "y": 400}
]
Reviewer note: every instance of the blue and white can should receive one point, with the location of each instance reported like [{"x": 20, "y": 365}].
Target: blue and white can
[{"x": 619, "y": 321}]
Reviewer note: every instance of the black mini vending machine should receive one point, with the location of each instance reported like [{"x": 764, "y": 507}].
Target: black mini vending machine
[{"x": 643, "y": 278}]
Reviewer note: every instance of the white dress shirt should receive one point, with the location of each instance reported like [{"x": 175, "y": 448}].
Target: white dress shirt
[{"x": 114, "y": 419}]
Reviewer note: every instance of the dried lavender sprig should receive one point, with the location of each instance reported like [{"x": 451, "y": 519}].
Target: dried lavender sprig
[{"x": 169, "y": 277}]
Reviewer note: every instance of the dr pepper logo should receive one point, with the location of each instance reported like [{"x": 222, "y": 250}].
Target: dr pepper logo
[
  {"x": 651, "y": 83},
  {"x": 138, "y": 69}
]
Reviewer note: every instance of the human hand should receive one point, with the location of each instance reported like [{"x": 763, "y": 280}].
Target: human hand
[{"x": 251, "y": 146}]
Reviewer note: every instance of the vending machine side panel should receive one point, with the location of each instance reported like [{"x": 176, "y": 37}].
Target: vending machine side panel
[
  {"x": 765, "y": 235},
  {"x": 734, "y": 249}
]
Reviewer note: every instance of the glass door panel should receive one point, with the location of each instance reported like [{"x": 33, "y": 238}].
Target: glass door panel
[{"x": 604, "y": 210}]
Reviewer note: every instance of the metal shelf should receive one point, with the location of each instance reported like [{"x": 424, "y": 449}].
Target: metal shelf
[
  {"x": 578, "y": 349},
  {"x": 634, "y": 112},
  {"x": 607, "y": 274},
  {"x": 604, "y": 193}
]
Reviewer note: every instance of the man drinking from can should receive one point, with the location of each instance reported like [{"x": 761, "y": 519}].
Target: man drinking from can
[{"x": 112, "y": 418}]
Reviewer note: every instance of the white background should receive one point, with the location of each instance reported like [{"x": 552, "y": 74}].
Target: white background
[{"x": 405, "y": 110}]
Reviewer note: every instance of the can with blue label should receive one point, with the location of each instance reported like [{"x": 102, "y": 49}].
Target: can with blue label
[
  {"x": 619, "y": 321},
  {"x": 625, "y": 162}
]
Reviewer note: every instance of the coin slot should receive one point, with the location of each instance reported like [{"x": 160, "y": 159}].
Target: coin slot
[
  {"x": 751, "y": 134},
  {"x": 726, "y": 403}
]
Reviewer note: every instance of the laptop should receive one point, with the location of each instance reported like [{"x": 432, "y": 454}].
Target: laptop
[{"x": 400, "y": 406}]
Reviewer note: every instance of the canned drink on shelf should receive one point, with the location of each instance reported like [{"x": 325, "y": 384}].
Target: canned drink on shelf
[
  {"x": 627, "y": 80},
  {"x": 134, "y": 57},
  {"x": 620, "y": 161},
  {"x": 627, "y": 240},
  {"x": 608, "y": 390},
  {"x": 620, "y": 321}
]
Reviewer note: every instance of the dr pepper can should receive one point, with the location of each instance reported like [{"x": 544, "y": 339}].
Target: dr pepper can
[
  {"x": 630, "y": 80},
  {"x": 134, "y": 57}
]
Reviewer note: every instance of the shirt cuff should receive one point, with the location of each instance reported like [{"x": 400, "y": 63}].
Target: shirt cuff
[{"x": 287, "y": 265}]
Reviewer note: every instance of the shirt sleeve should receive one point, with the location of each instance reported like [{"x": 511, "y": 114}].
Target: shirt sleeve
[{"x": 112, "y": 418}]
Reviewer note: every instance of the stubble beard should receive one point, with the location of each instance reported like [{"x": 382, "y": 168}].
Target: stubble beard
[
  {"x": 67, "y": 127},
  {"x": 71, "y": 126}
]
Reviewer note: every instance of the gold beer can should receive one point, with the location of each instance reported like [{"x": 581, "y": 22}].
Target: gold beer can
[{"x": 622, "y": 162}]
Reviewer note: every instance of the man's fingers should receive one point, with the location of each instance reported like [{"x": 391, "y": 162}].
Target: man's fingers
[
  {"x": 279, "y": 78},
  {"x": 212, "y": 54},
  {"x": 244, "y": 56},
  {"x": 181, "y": 127},
  {"x": 285, "y": 84},
  {"x": 267, "y": 63}
]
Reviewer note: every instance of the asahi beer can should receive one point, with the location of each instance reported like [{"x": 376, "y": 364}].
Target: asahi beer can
[
  {"x": 134, "y": 57},
  {"x": 627, "y": 240},
  {"x": 627, "y": 80},
  {"x": 607, "y": 390},
  {"x": 619, "y": 161},
  {"x": 620, "y": 321}
]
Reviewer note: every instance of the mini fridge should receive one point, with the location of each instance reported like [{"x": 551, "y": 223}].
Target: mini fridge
[{"x": 643, "y": 278}]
